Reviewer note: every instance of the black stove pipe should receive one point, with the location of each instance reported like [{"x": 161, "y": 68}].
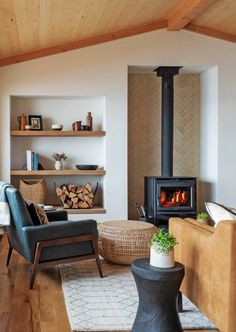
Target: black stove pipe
[{"x": 167, "y": 109}]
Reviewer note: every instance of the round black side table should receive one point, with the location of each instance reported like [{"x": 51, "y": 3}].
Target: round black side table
[{"x": 158, "y": 291}]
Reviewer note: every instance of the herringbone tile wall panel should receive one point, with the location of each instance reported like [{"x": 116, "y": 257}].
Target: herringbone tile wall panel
[
  {"x": 144, "y": 131},
  {"x": 187, "y": 125}
]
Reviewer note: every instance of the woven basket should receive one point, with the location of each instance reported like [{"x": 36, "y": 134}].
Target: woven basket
[
  {"x": 121, "y": 242},
  {"x": 33, "y": 190}
]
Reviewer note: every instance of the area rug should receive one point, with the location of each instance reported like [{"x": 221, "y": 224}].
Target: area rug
[{"x": 110, "y": 304}]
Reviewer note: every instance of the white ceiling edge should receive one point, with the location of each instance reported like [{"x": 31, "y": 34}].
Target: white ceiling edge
[{"x": 184, "y": 70}]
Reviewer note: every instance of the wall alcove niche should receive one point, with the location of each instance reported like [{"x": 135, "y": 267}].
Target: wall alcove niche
[
  {"x": 191, "y": 111},
  {"x": 80, "y": 147}
]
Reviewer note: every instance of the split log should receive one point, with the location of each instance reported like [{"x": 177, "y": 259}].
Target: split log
[
  {"x": 79, "y": 189},
  {"x": 86, "y": 198},
  {"x": 81, "y": 196},
  {"x": 85, "y": 191},
  {"x": 88, "y": 187},
  {"x": 59, "y": 191},
  {"x": 65, "y": 190},
  {"x": 90, "y": 202},
  {"x": 71, "y": 195},
  {"x": 70, "y": 203},
  {"x": 71, "y": 188},
  {"x": 63, "y": 197},
  {"x": 75, "y": 199},
  {"x": 83, "y": 205},
  {"x": 75, "y": 206}
]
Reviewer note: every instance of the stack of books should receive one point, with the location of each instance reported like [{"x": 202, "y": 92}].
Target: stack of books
[{"x": 32, "y": 160}]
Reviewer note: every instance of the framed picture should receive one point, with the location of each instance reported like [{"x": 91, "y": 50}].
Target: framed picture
[{"x": 36, "y": 122}]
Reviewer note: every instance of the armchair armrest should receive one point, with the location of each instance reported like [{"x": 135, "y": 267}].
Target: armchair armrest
[
  {"x": 57, "y": 215},
  {"x": 56, "y": 230},
  {"x": 199, "y": 224},
  {"x": 190, "y": 222},
  {"x": 59, "y": 229}
]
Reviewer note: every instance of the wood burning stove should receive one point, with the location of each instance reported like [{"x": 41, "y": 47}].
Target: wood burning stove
[{"x": 167, "y": 197}]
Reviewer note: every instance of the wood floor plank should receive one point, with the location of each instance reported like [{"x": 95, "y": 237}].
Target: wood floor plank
[{"x": 41, "y": 309}]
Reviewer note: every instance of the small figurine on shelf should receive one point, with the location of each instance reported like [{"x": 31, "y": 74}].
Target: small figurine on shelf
[
  {"x": 59, "y": 157},
  {"x": 89, "y": 121}
]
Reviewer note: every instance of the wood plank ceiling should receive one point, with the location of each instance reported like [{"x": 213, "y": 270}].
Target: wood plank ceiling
[{"x": 34, "y": 28}]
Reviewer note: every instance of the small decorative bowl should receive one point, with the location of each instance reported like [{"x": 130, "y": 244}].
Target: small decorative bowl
[
  {"x": 86, "y": 167},
  {"x": 28, "y": 127},
  {"x": 57, "y": 126},
  {"x": 83, "y": 127}
]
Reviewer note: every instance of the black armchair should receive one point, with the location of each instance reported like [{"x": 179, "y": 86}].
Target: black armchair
[{"x": 57, "y": 242}]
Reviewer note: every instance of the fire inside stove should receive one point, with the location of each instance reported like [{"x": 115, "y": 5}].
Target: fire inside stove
[{"x": 174, "y": 197}]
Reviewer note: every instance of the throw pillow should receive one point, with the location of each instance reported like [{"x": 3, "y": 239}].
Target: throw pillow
[
  {"x": 219, "y": 212},
  {"x": 37, "y": 214}
]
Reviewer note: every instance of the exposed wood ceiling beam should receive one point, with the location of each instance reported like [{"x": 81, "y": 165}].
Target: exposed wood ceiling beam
[
  {"x": 211, "y": 32},
  {"x": 83, "y": 43},
  {"x": 186, "y": 12}
]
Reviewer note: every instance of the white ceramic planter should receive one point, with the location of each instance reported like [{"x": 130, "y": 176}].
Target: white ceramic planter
[
  {"x": 160, "y": 259},
  {"x": 58, "y": 165}
]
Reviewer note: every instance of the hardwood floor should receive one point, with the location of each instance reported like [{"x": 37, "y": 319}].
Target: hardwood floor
[{"x": 23, "y": 310}]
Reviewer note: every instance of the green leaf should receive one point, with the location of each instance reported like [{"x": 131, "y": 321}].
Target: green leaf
[{"x": 162, "y": 241}]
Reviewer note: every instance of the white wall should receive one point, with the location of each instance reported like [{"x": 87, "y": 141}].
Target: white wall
[
  {"x": 209, "y": 135},
  {"x": 102, "y": 71}
]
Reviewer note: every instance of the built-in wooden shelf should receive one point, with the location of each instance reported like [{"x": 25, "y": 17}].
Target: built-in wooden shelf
[
  {"x": 56, "y": 133},
  {"x": 96, "y": 209},
  {"x": 53, "y": 172}
]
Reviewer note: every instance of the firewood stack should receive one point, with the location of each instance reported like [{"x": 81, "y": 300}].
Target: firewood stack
[{"x": 76, "y": 197}]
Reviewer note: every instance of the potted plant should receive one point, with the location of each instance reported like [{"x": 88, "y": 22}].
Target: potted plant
[
  {"x": 59, "y": 157},
  {"x": 162, "y": 249},
  {"x": 203, "y": 217}
]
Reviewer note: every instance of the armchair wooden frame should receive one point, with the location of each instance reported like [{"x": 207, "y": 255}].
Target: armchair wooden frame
[{"x": 50, "y": 243}]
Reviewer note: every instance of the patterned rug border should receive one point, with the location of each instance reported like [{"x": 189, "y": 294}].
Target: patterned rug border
[{"x": 89, "y": 269}]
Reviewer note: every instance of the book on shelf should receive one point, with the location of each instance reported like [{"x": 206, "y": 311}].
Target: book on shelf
[
  {"x": 32, "y": 160},
  {"x": 35, "y": 161},
  {"x": 29, "y": 160}
]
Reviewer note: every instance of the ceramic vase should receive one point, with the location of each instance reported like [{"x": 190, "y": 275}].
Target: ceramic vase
[
  {"x": 162, "y": 260},
  {"x": 89, "y": 121},
  {"x": 58, "y": 165}
]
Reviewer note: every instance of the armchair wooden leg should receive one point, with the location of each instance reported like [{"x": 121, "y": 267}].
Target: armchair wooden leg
[
  {"x": 35, "y": 264},
  {"x": 95, "y": 249},
  {"x": 9, "y": 255}
]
